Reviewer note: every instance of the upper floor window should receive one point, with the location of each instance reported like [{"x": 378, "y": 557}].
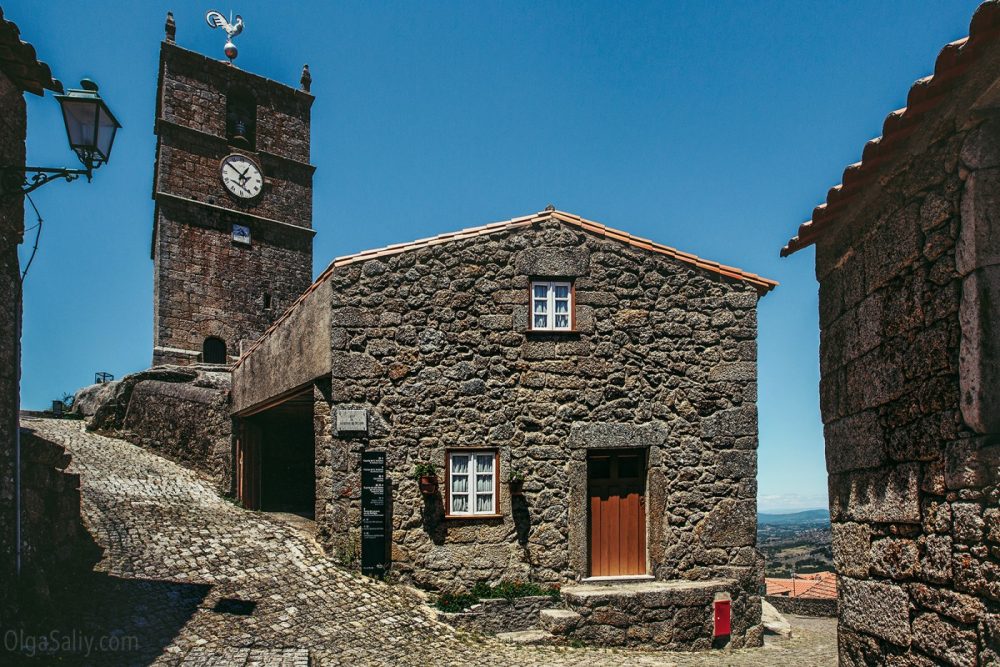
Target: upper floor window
[
  {"x": 472, "y": 482},
  {"x": 551, "y": 306},
  {"x": 241, "y": 119}
]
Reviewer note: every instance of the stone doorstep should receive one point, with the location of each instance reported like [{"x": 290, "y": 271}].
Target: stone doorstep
[
  {"x": 680, "y": 593},
  {"x": 612, "y": 581}
]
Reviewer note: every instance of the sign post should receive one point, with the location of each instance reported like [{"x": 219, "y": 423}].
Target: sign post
[{"x": 374, "y": 505}]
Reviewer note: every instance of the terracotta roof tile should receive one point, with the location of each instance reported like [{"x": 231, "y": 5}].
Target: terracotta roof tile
[
  {"x": 925, "y": 94},
  {"x": 817, "y": 586},
  {"x": 18, "y": 62},
  {"x": 763, "y": 285}
]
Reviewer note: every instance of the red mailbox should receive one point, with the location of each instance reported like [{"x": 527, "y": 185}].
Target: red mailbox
[{"x": 723, "y": 610}]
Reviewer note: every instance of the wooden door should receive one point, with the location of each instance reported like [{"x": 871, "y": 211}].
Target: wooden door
[
  {"x": 248, "y": 465},
  {"x": 616, "y": 481}
]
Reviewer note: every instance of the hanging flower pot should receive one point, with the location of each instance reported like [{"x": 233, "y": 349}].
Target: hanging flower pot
[
  {"x": 428, "y": 485},
  {"x": 515, "y": 481},
  {"x": 426, "y": 477}
]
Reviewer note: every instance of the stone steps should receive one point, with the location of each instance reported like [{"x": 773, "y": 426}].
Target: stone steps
[
  {"x": 559, "y": 621},
  {"x": 526, "y": 637}
]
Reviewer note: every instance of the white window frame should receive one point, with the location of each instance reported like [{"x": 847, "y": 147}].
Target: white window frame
[
  {"x": 471, "y": 476},
  {"x": 550, "y": 305}
]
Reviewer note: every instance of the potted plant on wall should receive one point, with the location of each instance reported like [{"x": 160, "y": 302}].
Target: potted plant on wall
[
  {"x": 515, "y": 481},
  {"x": 426, "y": 477}
]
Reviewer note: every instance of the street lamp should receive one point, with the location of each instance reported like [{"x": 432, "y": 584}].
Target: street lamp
[{"x": 90, "y": 128}]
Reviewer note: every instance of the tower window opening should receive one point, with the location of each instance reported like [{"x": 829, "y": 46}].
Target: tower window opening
[
  {"x": 241, "y": 119},
  {"x": 213, "y": 351}
]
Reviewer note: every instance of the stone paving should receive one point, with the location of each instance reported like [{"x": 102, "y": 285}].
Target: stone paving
[{"x": 188, "y": 578}]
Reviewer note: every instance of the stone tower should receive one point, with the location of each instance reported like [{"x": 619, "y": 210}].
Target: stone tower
[{"x": 232, "y": 226}]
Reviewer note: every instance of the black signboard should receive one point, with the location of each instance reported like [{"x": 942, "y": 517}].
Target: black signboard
[{"x": 374, "y": 509}]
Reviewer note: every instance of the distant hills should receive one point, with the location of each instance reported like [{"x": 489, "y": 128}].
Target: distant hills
[{"x": 792, "y": 518}]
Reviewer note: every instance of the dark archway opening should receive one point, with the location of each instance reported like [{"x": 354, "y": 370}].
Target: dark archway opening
[
  {"x": 213, "y": 351},
  {"x": 281, "y": 468}
]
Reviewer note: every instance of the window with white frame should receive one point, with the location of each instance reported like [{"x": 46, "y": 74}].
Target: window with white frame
[
  {"x": 472, "y": 482},
  {"x": 551, "y": 305}
]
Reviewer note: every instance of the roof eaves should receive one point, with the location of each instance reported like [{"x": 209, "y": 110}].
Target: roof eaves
[
  {"x": 18, "y": 61},
  {"x": 925, "y": 94}
]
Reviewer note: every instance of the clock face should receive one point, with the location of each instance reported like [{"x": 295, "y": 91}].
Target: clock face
[{"x": 242, "y": 176}]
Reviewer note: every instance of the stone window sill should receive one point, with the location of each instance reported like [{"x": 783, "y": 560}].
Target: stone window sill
[
  {"x": 552, "y": 332},
  {"x": 471, "y": 517}
]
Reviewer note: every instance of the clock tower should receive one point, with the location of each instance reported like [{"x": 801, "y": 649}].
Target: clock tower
[{"x": 232, "y": 226}]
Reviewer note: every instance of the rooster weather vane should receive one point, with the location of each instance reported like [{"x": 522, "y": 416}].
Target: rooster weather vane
[{"x": 217, "y": 20}]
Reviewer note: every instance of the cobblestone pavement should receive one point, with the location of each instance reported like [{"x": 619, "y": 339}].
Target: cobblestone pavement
[{"x": 175, "y": 552}]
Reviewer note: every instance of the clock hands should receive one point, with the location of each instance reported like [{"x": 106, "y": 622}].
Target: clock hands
[{"x": 245, "y": 180}]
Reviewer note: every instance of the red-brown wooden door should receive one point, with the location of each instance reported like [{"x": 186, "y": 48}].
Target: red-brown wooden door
[
  {"x": 616, "y": 481},
  {"x": 248, "y": 465}
]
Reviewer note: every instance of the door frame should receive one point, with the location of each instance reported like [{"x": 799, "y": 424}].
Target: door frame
[
  {"x": 585, "y": 436},
  {"x": 643, "y": 452},
  {"x": 248, "y": 453}
]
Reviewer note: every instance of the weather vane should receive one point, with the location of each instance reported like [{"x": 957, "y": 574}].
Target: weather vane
[{"x": 217, "y": 20}]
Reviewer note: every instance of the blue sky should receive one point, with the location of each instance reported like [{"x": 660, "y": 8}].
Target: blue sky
[{"x": 714, "y": 127}]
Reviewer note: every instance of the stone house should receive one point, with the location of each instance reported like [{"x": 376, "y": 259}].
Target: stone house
[
  {"x": 618, "y": 375},
  {"x": 908, "y": 262}
]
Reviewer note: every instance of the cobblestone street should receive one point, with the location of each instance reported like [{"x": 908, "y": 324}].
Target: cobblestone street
[{"x": 199, "y": 581}]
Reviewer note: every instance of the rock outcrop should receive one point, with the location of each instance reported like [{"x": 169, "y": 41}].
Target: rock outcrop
[{"x": 180, "y": 412}]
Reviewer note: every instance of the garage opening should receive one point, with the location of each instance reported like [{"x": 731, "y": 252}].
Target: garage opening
[{"x": 275, "y": 458}]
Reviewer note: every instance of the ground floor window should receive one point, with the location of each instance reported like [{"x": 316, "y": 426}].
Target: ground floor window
[{"x": 471, "y": 482}]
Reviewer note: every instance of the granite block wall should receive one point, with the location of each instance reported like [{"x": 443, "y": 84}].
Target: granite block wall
[
  {"x": 58, "y": 550},
  {"x": 908, "y": 316},
  {"x": 12, "y": 132},
  {"x": 433, "y": 343},
  {"x": 206, "y": 285}
]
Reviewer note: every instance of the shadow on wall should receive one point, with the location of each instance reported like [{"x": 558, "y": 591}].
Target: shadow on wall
[
  {"x": 437, "y": 528},
  {"x": 522, "y": 519},
  {"x": 57, "y": 549}
]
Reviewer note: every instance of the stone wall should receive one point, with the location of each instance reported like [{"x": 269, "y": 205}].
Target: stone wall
[
  {"x": 208, "y": 286},
  {"x": 495, "y": 615},
  {"x": 913, "y": 480},
  {"x": 676, "y": 616},
  {"x": 803, "y": 606},
  {"x": 58, "y": 550},
  {"x": 205, "y": 285},
  {"x": 181, "y": 413},
  {"x": 12, "y": 132},
  {"x": 433, "y": 343}
]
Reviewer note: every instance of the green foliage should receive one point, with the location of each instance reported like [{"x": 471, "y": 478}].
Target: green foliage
[
  {"x": 517, "y": 474},
  {"x": 453, "y": 603},
  {"x": 346, "y": 551},
  {"x": 423, "y": 470},
  {"x": 508, "y": 590}
]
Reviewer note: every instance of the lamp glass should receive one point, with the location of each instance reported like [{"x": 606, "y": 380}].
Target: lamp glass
[{"x": 90, "y": 127}]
